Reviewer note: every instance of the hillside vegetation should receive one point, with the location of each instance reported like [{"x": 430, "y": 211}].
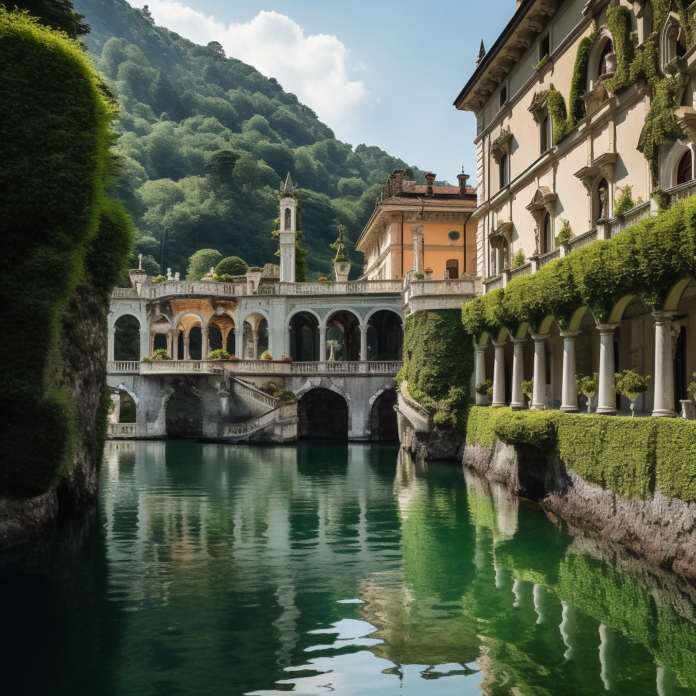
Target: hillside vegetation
[{"x": 205, "y": 140}]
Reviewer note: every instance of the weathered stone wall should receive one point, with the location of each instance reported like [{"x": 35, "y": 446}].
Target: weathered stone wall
[{"x": 661, "y": 529}]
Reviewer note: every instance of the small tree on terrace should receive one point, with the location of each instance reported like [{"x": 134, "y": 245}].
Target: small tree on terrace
[
  {"x": 631, "y": 385},
  {"x": 232, "y": 265},
  {"x": 201, "y": 263}
]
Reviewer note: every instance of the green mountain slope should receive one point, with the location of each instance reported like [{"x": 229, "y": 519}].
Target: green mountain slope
[{"x": 182, "y": 104}]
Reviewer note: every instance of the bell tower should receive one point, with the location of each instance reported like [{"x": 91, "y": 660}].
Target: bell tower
[{"x": 288, "y": 230}]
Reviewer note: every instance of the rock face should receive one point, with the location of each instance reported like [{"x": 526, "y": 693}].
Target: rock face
[
  {"x": 83, "y": 371},
  {"x": 663, "y": 530}
]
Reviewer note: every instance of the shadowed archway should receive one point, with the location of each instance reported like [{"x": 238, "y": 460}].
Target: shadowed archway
[
  {"x": 383, "y": 424},
  {"x": 323, "y": 415}
]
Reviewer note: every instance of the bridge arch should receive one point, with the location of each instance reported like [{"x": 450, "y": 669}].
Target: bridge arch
[{"x": 382, "y": 418}]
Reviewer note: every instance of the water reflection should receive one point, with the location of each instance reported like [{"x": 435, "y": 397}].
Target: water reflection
[{"x": 331, "y": 568}]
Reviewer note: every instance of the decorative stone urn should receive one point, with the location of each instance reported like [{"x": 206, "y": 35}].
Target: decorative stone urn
[
  {"x": 341, "y": 270},
  {"x": 341, "y": 261}
]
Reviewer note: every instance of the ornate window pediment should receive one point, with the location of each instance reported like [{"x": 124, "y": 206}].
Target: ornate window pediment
[
  {"x": 602, "y": 165},
  {"x": 501, "y": 145}
]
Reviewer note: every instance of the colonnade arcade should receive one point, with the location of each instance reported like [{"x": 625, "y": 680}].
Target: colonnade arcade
[
  {"x": 661, "y": 344},
  {"x": 341, "y": 334},
  {"x": 344, "y": 336}
]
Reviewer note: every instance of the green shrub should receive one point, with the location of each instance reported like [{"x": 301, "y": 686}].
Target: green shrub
[
  {"x": 159, "y": 354},
  {"x": 219, "y": 354},
  {"x": 201, "y": 262},
  {"x": 232, "y": 265},
  {"x": 159, "y": 279},
  {"x": 438, "y": 359},
  {"x": 675, "y": 457},
  {"x": 286, "y": 396},
  {"x": 587, "y": 385},
  {"x": 480, "y": 425},
  {"x": 254, "y": 269},
  {"x": 537, "y": 428},
  {"x": 518, "y": 258},
  {"x": 624, "y": 202},
  {"x": 631, "y": 385},
  {"x": 271, "y": 389},
  {"x": 565, "y": 233},
  {"x": 528, "y": 387},
  {"x": 485, "y": 388}
]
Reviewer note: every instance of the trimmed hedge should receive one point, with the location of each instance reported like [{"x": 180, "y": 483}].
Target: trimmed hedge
[
  {"x": 438, "y": 359},
  {"x": 645, "y": 260},
  {"x": 631, "y": 456},
  {"x": 65, "y": 245}
]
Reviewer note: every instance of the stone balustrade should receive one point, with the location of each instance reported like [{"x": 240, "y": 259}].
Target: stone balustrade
[
  {"x": 121, "y": 430},
  {"x": 550, "y": 256},
  {"x": 255, "y": 367},
  {"x": 350, "y": 287},
  {"x": 582, "y": 240},
  {"x": 630, "y": 218},
  {"x": 285, "y": 412},
  {"x": 523, "y": 270},
  {"x": 256, "y": 394},
  {"x": 679, "y": 193},
  {"x": 494, "y": 283}
]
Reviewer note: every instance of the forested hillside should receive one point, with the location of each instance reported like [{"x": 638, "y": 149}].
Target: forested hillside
[{"x": 182, "y": 105}]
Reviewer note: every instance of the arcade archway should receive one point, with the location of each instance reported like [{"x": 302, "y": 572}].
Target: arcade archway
[
  {"x": 322, "y": 415},
  {"x": 383, "y": 423}
]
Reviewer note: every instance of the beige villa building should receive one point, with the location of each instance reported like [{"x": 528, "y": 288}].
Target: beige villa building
[
  {"x": 424, "y": 228},
  {"x": 550, "y": 179}
]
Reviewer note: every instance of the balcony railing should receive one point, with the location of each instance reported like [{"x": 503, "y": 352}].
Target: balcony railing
[
  {"x": 523, "y": 270},
  {"x": 679, "y": 193},
  {"x": 121, "y": 430},
  {"x": 350, "y": 287},
  {"x": 630, "y": 218},
  {"x": 123, "y": 367},
  {"x": 549, "y": 256},
  {"x": 582, "y": 240},
  {"x": 494, "y": 283}
]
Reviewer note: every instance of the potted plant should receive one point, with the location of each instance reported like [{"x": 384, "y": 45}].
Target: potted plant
[
  {"x": 528, "y": 388},
  {"x": 219, "y": 354},
  {"x": 419, "y": 276},
  {"x": 323, "y": 279},
  {"x": 428, "y": 273},
  {"x": 631, "y": 385},
  {"x": 485, "y": 388},
  {"x": 588, "y": 386},
  {"x": 159, "y": 354},
  {"x": 266, "y": 355}
]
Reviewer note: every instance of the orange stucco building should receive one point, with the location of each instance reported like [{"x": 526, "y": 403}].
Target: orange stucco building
[{"x": 420, "y": 227}]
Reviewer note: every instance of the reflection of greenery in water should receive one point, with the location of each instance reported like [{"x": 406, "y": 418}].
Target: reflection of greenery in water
[{"x": 214, "y": 569}]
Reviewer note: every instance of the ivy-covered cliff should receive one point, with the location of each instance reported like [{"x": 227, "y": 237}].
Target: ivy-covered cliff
[{"x": 65, "y": 245}]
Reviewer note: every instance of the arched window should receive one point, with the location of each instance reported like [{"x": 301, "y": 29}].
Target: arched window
[
  {"x": 685, "y": 168},
  {"x": 452, "y": 266},
  {"x": 503, "y": 167},
  {"x": 545, "y": 134},
  {"x": 672, "y": 41},
  {"x": 546, "y": 235},
  {"x": 607, "y": 60}
]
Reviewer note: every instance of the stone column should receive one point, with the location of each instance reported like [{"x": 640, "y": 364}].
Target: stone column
[
  {"x": 151, "y": 347},
  {"x": 480, "y": 374},
  {"x": 175, "y": 345},
  {"x": 255, "y": 334},
  {"x": 204, "y": 342},
  {"x": 363, "y": 343},
  {"x": 169, "y": 343},
  {"x": 517, "y": 374},
  {"x": 110, "y": 345},
  {"x": 322, "y": 343},
  {"x": 539, "y": 391},
  {"x": 186, "y": 348},
  {"x": 569, "y": 392},
  {"x": 286, "y": 350},
  {"x": 239, "y": 342},
  {"x": 499, "y": 374},
  {"x": 663, "y": 404},
  {"x": 144, "y": 343},
  {"x": 606, "y": 402}
]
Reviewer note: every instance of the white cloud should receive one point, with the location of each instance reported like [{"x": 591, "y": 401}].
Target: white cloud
[{"x": 315, "y": 68}]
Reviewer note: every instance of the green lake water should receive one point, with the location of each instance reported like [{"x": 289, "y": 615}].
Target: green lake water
[{"x": 210, "y": 569}]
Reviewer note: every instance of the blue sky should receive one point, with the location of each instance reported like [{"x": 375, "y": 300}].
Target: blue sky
[{"x": 382, "y": 73}]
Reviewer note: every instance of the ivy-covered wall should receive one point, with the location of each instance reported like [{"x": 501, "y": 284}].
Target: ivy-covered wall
[
  {"x": 633, "y": 457},
  {"x": 645, "y": 260},
  {"x": 438, "y": 365},
  {"x": 65, "y": 245}
]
